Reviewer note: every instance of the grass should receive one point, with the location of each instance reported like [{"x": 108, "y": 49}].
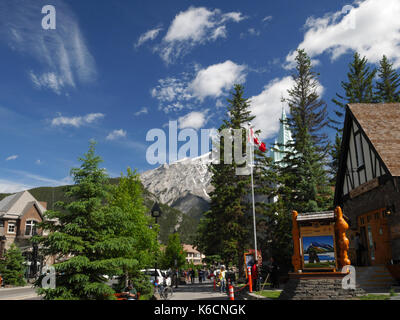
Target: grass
[
  {"x": 374, "y": 297},
  {"x": 269, "y": 294}
]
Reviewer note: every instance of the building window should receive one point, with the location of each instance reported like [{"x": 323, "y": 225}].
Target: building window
[
  {"x": 11, "y": 228},
  {"x": 30, "y": 228}
]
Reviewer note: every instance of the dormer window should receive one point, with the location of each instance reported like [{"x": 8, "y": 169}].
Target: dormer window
[{"x": 30, "y": 228}]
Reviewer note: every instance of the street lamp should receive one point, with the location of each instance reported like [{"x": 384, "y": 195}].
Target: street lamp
[{"x": 156, "y": 213}]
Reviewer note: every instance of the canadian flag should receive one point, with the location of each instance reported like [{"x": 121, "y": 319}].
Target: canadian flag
[{"x": 261, "y": 145}]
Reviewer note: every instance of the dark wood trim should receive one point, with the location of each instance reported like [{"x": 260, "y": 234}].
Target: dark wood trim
[
  {"x": 373, "y": 165},
  {"x": 349, "y": 118}
]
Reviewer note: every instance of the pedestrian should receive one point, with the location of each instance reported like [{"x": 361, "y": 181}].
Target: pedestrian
[
  {"x": 222, "y": 279},
  {"x": 200, "y": 275},
  {"x": 192, "y": 275},
  {"x": 359, "y": 249},
  {"x": 274, "y": 271}
]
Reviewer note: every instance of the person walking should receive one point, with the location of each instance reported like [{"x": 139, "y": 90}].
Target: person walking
[
  {"x": 200, "y": 274},
  {"x": 192, "y": 275},
  {"x": 222, "y": 279}
]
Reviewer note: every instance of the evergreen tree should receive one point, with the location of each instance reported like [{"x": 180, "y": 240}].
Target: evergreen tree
[
  {"x": 357, "y": 89},
  {"x": 91, "y": 238},
  {"x": 274, "y": 227},
  {"x": 304, "y": 179},
  {"x": 12, "y": 267},
  {"x": 387, "y": 87},
  {"x": 225, "y": 228}
]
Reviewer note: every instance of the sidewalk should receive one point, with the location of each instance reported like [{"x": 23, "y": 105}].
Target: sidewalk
[{"x": 18, "y": 293}]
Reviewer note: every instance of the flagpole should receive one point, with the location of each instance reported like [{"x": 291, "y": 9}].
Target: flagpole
[{"x": 252, "y": 194}]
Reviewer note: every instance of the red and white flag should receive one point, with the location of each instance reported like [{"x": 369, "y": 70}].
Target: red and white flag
[{"x": 261, "y": 145}]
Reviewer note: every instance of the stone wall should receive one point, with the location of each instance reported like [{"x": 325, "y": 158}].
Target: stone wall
[{"x": 317, "y": 289}]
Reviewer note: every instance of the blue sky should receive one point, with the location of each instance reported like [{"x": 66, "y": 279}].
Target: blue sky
[{"x": 113, "y": 70}]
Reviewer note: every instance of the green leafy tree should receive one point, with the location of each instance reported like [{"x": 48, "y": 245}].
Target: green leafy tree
[
  {"x": 174, "y": 256},
  {"x": 387, "y": 87},
  {"x": 89, "y": 237},
  {"x": 12, "y": 267}
]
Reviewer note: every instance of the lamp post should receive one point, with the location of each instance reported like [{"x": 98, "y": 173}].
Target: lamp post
[{"x": 156, "y": 213}]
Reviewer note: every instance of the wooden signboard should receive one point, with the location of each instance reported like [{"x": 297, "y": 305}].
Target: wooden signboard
[
  {"x": 249, "y": 259},
  {"x": 318, "y": 247},
  {"x": 319, "y": 241}
]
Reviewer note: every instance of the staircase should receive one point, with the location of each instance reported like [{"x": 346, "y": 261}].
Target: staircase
[{"x": 374, "y": 279}]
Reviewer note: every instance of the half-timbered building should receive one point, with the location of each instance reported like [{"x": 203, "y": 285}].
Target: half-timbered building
[{"x": 368, "y": 181}]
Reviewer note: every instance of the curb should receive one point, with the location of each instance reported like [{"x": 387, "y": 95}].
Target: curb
[{"x": 253, "y": 296}]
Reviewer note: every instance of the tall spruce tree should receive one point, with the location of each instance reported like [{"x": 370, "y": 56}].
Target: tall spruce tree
[
  {"x": 357, "y": 89},
  {"x": 225, "y": 228},
  {"x": 91, "y": 238},
  {"x": 387, "y": 87},
  {"x": 305, "y": 182},
  {"x": 273, "y": 224}
]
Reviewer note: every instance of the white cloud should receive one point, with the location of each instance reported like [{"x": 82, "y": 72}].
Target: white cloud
[
  {"x": 38, "y": 162},
  {"x": 116, "y": 134},
  {"x": 13, "y": 157},
  {"x": 144, "y": 110},
  {"x": 62, "y": 56},
  {"x": 30, "y": 180},
  {"x": 76, "y": 121},
  {"x": 267, "y": 18},
  {"x": 7, "y": 186},
  {"x": 48, "y": 80},
  {"x": 215, "y": 80},
  {"x": 193, "y": 27},
  {"x": 370, "y": 28},
  {"x": 267, "y": 106},
  {"x": 194, "y": 120},
  {"x": 147, "y": 36},
  {"x": 251, "y": 32}
]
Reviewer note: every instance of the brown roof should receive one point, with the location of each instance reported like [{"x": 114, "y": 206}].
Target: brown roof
[
  {"x": 189, "y": 249},
  {"x": 381, "y": 123}
]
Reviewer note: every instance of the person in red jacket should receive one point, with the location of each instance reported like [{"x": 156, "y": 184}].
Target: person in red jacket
[{"x": 254, "y": 275}]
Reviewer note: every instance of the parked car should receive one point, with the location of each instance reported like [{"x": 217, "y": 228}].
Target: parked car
[{"x": 157, "y": 274}]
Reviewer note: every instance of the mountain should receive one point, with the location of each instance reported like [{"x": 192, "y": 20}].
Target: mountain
[
  {"x": 183, "y": 185},
  {"x": 181, "y": 188},
  {"x": 171, "y": 220}
]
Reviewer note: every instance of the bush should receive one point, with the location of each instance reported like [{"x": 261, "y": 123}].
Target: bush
[{"x": 12, "y": 267}]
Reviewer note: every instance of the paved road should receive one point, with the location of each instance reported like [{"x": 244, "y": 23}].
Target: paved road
[
  {"x": 198, "y": 291},
  {"x": 22, "y": 293}
]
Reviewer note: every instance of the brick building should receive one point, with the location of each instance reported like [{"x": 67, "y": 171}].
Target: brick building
[{"x": 19, "y": 215}]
